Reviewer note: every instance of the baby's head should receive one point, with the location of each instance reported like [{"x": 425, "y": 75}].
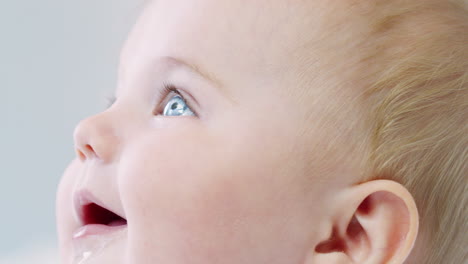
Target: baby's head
[{"x": 277, "y": 132}]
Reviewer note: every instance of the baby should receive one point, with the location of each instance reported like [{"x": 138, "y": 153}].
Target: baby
[{"x": 277, "y": 132}]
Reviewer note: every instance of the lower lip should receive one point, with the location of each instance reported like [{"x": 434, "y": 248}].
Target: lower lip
[
  {"x": 90, "y": 240},
  {"x": 96, "y": 230}
]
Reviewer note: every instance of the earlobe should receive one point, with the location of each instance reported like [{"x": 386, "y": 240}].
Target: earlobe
[{"x": 374, "y": 222}]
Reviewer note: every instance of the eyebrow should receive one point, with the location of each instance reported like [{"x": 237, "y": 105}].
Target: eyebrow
[
  {"x": 197, "y": 69},
  {"x": 193, "y": 67}
]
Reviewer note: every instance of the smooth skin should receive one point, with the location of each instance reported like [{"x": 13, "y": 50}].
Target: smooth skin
[{"x": 262, "y": 173}]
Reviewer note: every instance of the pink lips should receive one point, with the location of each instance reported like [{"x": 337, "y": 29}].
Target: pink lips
[
  {"x": 81, "y": 199},
  {"x": 99, "y": 228},
  {"x": 96, "y": 230},
  {"x": 95, "y": 218}
]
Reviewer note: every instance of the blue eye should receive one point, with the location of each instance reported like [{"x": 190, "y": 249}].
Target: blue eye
[{"x": 176, "y": 106}]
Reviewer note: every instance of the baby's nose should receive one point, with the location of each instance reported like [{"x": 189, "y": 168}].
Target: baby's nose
[{"x": 95, "y": 138}]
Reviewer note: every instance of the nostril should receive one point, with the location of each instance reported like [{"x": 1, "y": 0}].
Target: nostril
[
  {"x": 80, "y": 155},
  {"x": 87, "y": 152},
  {"x": 89, "y": 149}
]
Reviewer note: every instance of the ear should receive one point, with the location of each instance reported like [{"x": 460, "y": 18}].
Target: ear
[{"x": 375, "y": 222}]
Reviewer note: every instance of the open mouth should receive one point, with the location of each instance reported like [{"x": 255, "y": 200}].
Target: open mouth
[
  {"x": 94, "y": 217},
  {"x": 98, "y": 226},
  {"x": 95, "y": 214}
]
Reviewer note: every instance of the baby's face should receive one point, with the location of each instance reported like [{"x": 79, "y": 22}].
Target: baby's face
[{"x": 232, "y": 170}]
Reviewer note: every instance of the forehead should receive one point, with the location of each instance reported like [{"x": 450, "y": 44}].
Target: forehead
[
  {"x": 234, "y": 36},
  {"x": 264, "y": 46}
]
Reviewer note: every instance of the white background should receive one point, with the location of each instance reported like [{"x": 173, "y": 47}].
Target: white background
[{"x": 58, "y": 61}]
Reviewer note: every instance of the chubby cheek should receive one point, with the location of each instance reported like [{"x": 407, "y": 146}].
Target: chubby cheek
[{"x": 197, "y": 202}]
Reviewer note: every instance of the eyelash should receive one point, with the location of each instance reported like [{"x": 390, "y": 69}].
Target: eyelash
[{"x": 163, "y": 93}]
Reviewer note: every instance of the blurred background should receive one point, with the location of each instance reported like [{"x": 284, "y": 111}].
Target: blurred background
[{"x": 58, "y": 62}]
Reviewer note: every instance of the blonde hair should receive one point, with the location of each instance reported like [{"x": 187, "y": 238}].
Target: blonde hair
[{"x": 418, "y": 117}]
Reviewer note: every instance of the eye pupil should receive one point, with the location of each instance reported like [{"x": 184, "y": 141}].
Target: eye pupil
[{"x": 174, "y": 106}]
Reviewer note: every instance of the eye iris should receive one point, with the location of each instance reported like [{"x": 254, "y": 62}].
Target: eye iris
[{"x": 176, "y": 107}]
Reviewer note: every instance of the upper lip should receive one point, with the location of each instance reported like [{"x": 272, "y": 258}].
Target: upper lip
[{"x": 91, "y": 210}]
